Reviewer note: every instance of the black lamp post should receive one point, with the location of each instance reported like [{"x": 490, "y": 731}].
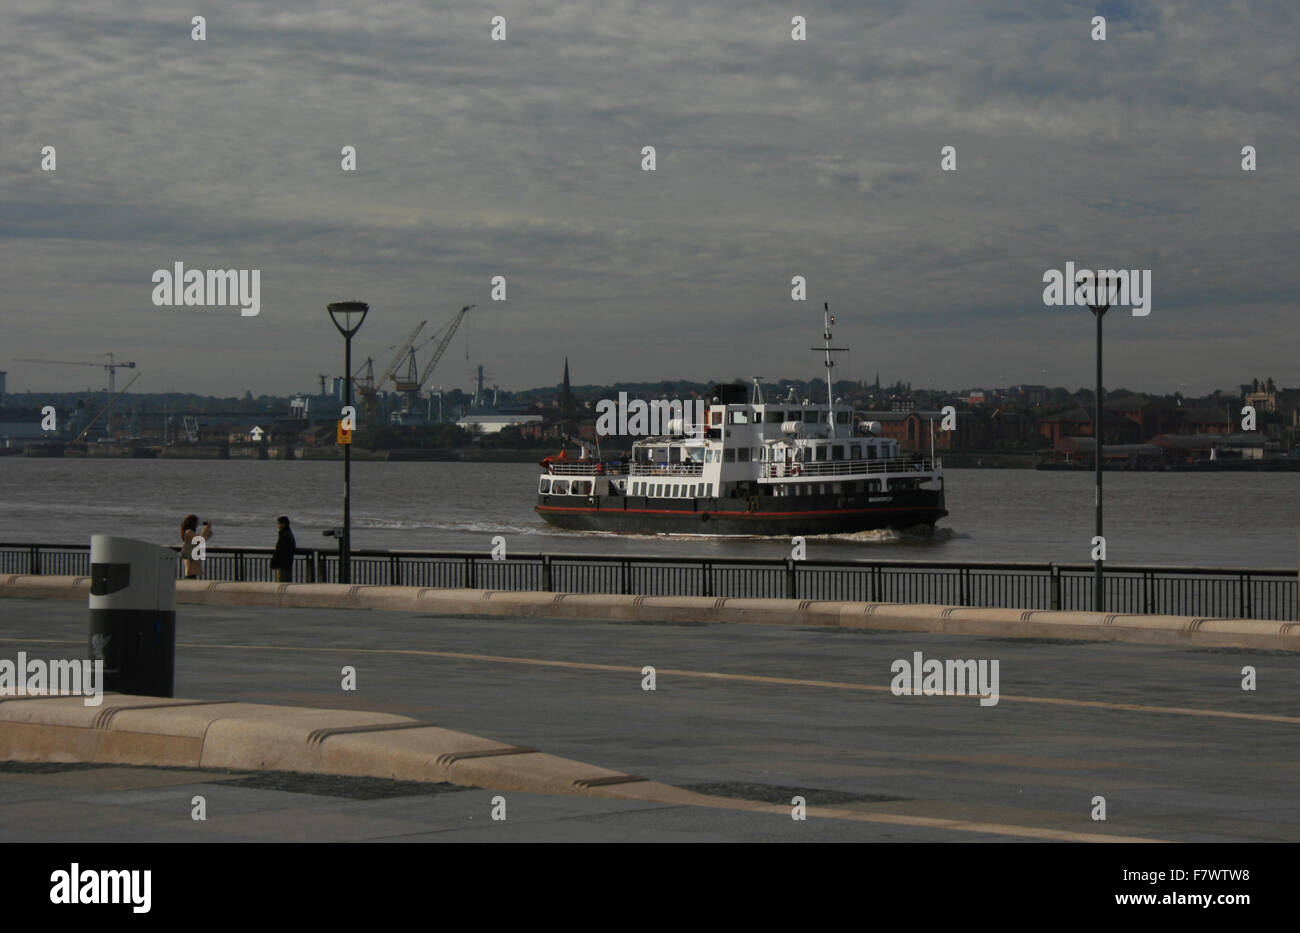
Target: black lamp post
[
  {"x": 1103, "y": 298},
  {"x": 347, "y": 317}
]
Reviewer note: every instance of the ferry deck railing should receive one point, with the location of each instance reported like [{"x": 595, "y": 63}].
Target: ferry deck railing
[
  {"x": 781, "y": 469},
  {"x": 1224, "y": 592},
  {"x": 667, "y": 469},
  {"x": 580, "y": 468}
]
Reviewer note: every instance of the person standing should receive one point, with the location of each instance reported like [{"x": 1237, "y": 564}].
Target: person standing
[
  {"x": 189, "y": 531},
  {"x": 285, "y": 545}
]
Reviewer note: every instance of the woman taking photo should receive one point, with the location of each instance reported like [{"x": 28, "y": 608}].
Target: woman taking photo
[{"x": 190, "y": 531}]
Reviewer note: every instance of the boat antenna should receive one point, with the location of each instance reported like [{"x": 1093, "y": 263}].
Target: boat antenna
[
  {"x": 756, "y": 398},
  {"x": 827, "y": 320}
]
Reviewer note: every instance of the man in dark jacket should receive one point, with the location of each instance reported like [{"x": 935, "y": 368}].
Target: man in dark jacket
[{"x": 282, "y": 559}]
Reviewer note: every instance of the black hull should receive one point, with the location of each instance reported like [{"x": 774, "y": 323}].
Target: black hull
[{"x": 761, "y": 515}]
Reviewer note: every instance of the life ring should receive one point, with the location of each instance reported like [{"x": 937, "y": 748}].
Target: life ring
[{"x": 796, "y": 470}]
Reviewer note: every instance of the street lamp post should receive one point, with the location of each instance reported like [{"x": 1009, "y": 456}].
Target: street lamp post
[
  {"x": 1102, "y": 297},
  {"x": 347, "y": 317}
]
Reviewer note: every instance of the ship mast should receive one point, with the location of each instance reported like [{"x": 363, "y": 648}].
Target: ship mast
[{"x": 827, "y": 320}]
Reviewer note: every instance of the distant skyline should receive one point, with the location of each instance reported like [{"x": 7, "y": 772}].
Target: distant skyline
[{"x": 775, "y": 158}]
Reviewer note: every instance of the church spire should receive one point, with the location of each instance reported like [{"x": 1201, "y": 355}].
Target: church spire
[{"x": 566, "y": 403}]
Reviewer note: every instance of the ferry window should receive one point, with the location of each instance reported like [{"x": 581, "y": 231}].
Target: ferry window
[
  {"x": 544, "y": 487},
  {"x": 742, "y": 454},
  {"x": 729, "y": 455},
  {"x": 873, "y": 485},
  {"x": 561, "y": 487},
  {"x": 674, "y": 455},
  {"x": 837, "y": 488},
  {"x": 810, "y": 416},
  {"x": 855, "y": 451},
  {"x": 740, "y": 417},
  {"x": 842, "y": 417},
  {"x": 773, "y": 417},
  {"x": 837, "y": 452},
  {"x": 659, "y": 490}
]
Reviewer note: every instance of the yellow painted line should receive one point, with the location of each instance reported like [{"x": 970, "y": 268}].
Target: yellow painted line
[
  {"x": 715, "y": 675},
  {"x": 954, "y": 825}
]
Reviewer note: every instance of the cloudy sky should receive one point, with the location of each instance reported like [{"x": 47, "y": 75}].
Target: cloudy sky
[{"x": 775, "y": 158}]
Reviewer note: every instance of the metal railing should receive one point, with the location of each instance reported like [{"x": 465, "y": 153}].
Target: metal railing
[
  {"x": 585, "y": 469},
  {"x": 1225, "y": 592},
  {"x": 850, "y": 467},
  {"x": 667, "y": 469}
]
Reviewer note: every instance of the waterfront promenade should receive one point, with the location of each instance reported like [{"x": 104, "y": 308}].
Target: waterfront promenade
[{"x": 1164, "y": 733}]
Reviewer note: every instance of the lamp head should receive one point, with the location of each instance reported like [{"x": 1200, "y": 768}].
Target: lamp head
[{"x": 348, "y": 315}]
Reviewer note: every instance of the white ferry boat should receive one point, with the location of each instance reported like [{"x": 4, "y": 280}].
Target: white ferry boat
[{"x": 755, "y": 468}]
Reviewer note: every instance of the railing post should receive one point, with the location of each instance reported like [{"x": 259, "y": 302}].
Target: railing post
[
  {"x": 311, "y": 569},
  {"x": 34, "y": 561},
  {"x": 1245, "y": 596},
  {"x": 965, "y": 586},
  {"x": 469, "y": 573},
  {"x": 790, "y": 590},
  {"x": 707, "y": 583},
  {"x": 622, "y": 578},
  {"x": 546, "y": 574},
  {"x": 239, "y": 566},
  {"x": 394, "y": 571},
  {"x": 1055, "y": 576}
]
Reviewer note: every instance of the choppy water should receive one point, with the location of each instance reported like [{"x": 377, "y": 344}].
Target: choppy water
[{"x": 1161, "y": 518}]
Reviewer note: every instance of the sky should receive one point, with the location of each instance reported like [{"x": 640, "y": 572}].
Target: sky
[{"x": 775, "y": 158}]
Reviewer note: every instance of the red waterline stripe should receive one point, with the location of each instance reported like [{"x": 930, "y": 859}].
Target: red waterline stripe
[{"x": 917, "y": 508}]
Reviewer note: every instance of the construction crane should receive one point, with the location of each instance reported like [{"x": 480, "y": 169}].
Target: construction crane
[
  {"x": 364, "y": 377},
  {"x": 103, "y": 411},
  {"x": 401, "y": 355},
  {"x": 112, "y": 366},
  {"x": 441, "y": 348}
]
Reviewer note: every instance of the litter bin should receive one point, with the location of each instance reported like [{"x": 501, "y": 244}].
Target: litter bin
[{"x": 133, "y": 614}]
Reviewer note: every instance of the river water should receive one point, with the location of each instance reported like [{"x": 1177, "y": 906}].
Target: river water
[{"x": 1151, "y": 518}]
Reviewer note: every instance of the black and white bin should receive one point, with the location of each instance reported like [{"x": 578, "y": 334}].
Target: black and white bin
[{"x": 133, "y": 614}]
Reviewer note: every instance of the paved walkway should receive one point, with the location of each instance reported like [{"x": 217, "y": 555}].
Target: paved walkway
[{"x": 1179, "y": 751}]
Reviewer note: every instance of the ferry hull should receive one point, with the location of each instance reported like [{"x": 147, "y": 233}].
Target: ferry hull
[{"x": 762, "y": 515}]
